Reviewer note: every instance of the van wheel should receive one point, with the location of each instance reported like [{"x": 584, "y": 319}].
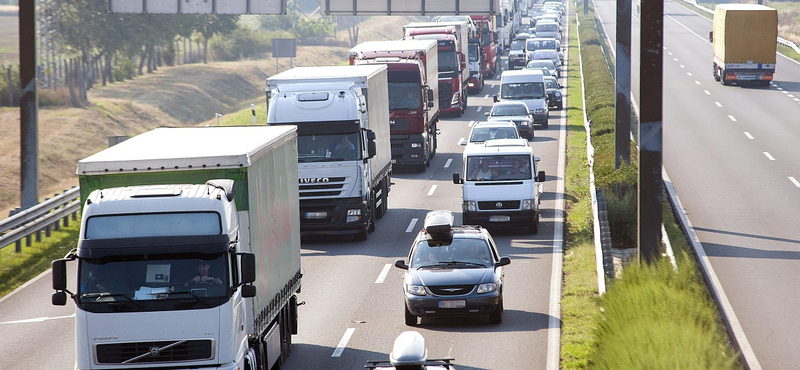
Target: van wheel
[
  {"x": 496, "y": 316},
  {"x": 411, "y": 320}
]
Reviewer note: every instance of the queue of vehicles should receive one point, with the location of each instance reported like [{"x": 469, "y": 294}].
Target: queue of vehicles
[{"x": 199, "y": 232}]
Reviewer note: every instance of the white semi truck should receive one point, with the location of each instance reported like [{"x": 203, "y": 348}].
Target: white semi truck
[
  {"x": 344, "y": 149},
  {"x": 189, "y": 251}
]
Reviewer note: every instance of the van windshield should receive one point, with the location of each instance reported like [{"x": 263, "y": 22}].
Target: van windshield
[
  {"x": 522, "y": 90},
  {"x": 499, "y": 167}
]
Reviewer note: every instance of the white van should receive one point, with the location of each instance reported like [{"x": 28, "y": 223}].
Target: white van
[
  {"x": 501, "y": 185},
  {"x": 526, "y": 85}
]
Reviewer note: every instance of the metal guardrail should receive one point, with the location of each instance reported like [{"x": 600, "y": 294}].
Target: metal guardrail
[{"x": 40, "y": 217}]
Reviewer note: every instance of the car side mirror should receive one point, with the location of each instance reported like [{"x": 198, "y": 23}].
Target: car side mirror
[
  {"x": 401, "y": 264},
  {"x": 503, "y": 262},
  {"x": 462, "y": 142},
  {"x": 486, "y": 114}
]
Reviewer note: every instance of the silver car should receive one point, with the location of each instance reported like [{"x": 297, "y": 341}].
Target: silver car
[{"x": 550, "y": 55}]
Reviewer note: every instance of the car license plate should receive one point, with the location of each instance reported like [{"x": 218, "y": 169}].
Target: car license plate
[
  {"x": 499, "y": 218},
  {"x": 453, "y": 304},
  {"x": 316, "y": 215}
]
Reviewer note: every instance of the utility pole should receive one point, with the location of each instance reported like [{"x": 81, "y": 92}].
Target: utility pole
[
  {"x": 651, "y": 92},
  {"x": 29, "y": 142},
  {"x": 622, "y": 129}
]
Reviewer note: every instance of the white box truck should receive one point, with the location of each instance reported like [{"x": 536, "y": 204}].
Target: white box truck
[
  {"x": 189, "y": 251},
  {"x": 501, "y": 185},
  {"x": 343, "y": 143}
]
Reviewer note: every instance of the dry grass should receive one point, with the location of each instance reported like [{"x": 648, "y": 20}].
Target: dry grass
[{"x": 185, "y": 95}]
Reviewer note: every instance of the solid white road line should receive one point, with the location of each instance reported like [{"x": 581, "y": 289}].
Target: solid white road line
[
  {"x": 411, "y": 225},
  {"x": 38, "y": 319},
  {"x": 383, "y": 274},
  {"x": 343, "y": 343},
  {"x": 433, "y": 188}
]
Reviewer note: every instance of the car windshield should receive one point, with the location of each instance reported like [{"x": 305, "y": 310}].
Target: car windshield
[
  {"x": 541, "y": 44},
  {"x": 481, "y": 134},
  {"x": 550, "y": 83},
  {"x": 461, "y": 253},
  {"x": 509, "y": 110}
]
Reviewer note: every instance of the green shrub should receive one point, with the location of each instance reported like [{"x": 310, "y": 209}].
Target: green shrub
[
  {"x": 124, "y": 68},
  {"x": 241, "y": 43}
]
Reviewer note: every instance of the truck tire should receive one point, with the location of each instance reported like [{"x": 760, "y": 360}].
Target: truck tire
[
  {"x": 534, "y": 227},
  {"x": 496, "y": 316},
  {"x": 381, "y": 210},
  {"x": 716, "y": 74},
  {"x": 411, "y": 320},
  {"x": 371, "y": 227}
]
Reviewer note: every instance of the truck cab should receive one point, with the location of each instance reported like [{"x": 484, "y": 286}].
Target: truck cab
[{"x": 501, "y": 185}]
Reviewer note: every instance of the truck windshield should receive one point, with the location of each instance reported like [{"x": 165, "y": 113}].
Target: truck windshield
[
  {"x": 522, "y": 90},
  {"x": 152, "y": 277},
  {"x": 448, "y": 61},
  {"x": 328, "y": 147},
  {"x": 404, "y": 95},
  {"x": 499, "y": 167}
]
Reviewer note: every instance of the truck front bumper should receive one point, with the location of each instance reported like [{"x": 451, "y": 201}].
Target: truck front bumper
[
  {"x": 333, "y": 216},
  {"x": 408, "y": 150}
]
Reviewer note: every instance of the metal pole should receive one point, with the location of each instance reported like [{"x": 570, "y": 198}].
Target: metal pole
[
  {"x": 622, "y": 142},
  {"x": 650, "y": 130},
  {"x": 29, "y": 194}
]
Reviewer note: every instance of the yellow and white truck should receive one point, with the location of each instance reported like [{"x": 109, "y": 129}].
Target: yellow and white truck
[{"x": 744, "y": 39}]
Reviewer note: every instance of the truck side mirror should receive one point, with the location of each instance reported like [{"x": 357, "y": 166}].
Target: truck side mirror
[
  {"x": 248, "y": 263},
  {"x": 463, "y": 61},
  {"x": 540, "y": 177},
  {"x": 372, "y": 148},
  {"x": 711, "y": 36},
  {"x": 248, "y": 291},
  {"x": 457, "y": 178},
  {"x": 431, "y": 98},
  {"x": 59, "y": 274},
  {"x": 58, "y": 298}
]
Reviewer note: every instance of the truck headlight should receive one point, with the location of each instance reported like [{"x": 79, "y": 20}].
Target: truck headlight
[
  {"x": 487, "y": 288},
  {"x": 416, "y": 145},
  {"x": 416, "y": 290},
  {"x": 527, "y": 204},
  {"x": 456, "y": 98},
  {"x": 470, "y": 206}
]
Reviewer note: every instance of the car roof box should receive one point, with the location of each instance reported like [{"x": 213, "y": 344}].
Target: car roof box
[
  {"x": 409, "y": 349},
  {"x": 439, "y": 227}
]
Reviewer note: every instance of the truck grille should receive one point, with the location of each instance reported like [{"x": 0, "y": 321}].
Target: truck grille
[
  {"x": 398, "y": 123},
  {"x": 498, "y": 204},
  {"x": 451, "y": 290},
  {"x": 154, "y": 352},
  {"x": 445, "y": 94},
  {"x": 329, "y": 188}
]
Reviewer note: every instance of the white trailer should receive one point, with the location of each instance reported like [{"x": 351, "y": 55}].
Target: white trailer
[{"x": 189, "y": 251}]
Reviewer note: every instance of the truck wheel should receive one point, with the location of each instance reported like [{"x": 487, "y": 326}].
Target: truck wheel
[
  {"x": 496, "y": 316},
  {"x": 411, "y": 320},
  {"x": 371, "y": 227},
  {"x": 534, "y": 227},
  {"x": 716, "y": 73},
  {"x": 381, "y": 210}
]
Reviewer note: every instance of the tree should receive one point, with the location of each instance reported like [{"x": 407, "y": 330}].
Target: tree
[{"x": 212, "y": 24}]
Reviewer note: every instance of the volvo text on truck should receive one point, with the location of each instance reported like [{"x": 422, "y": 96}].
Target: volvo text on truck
[
  {"x": 413, "y": 96},
  {"x": 189, "y": 251},
  {"x": 501, "y": 185},
  {"x": 452, "y": 39},
  {"x": 343, "y": 143},
  {"x": 744, "y": 40}
]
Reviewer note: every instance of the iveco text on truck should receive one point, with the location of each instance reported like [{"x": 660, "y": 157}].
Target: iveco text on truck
[
  {"x": 744, "y": 40},
  {"x": 189, "y": 251},
  {"x": 343, "y": 143},
  {"x": 452, "y": 38},
  {"x": 413, "y": 96}
]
